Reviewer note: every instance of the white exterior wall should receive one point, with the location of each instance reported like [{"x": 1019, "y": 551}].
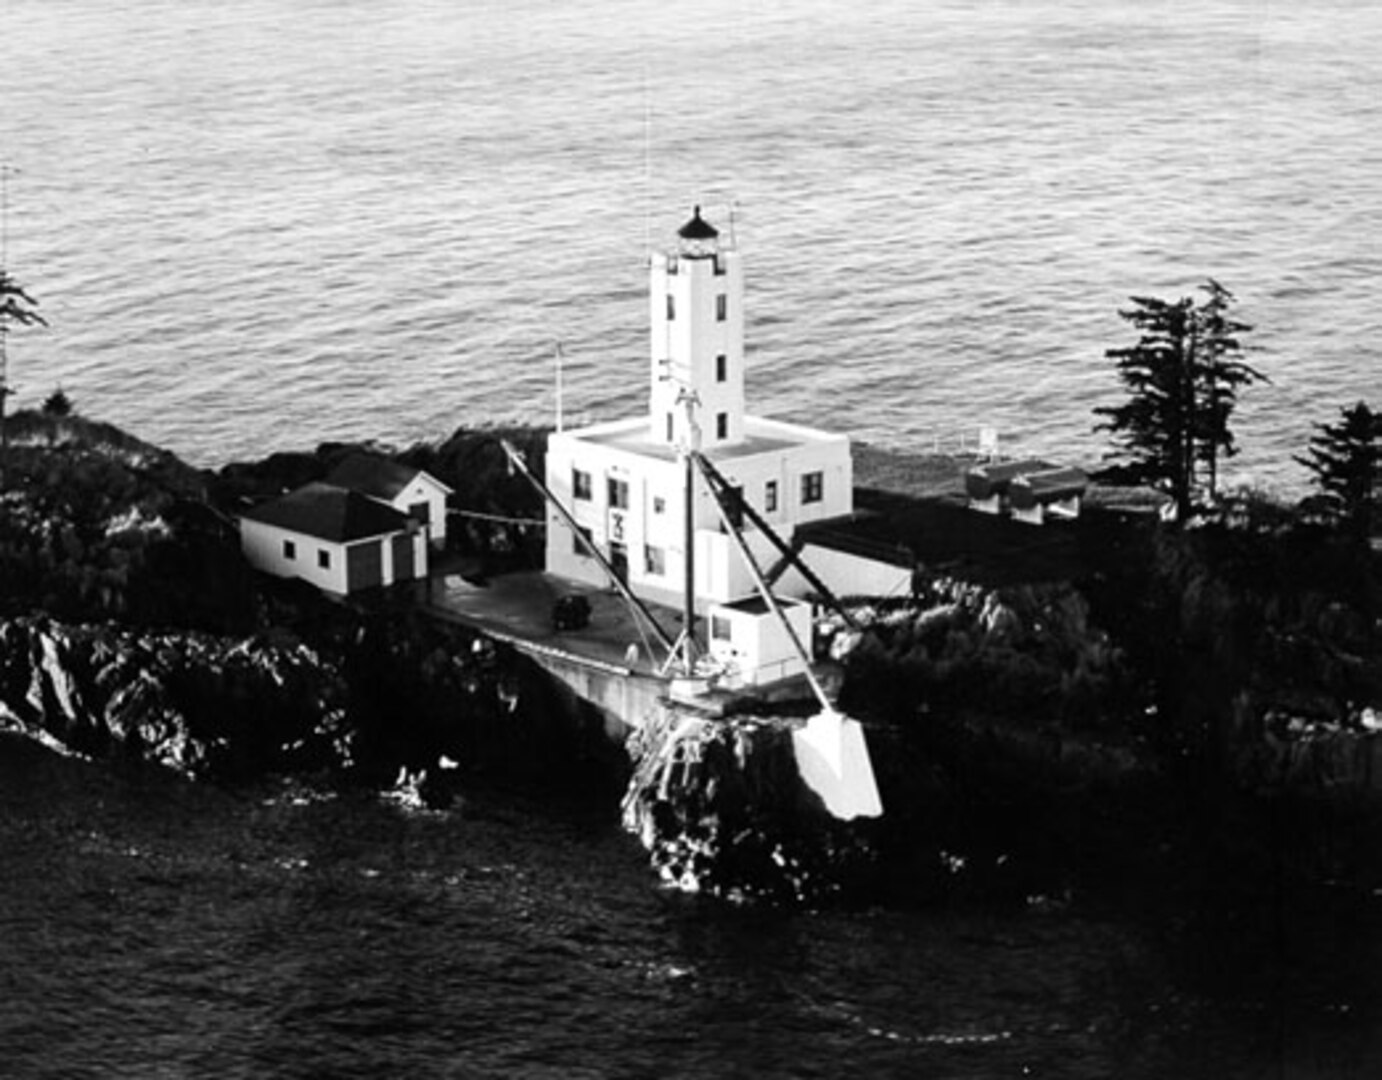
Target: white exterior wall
[
  {"x": 759, "y": 649},
  {"x": 424, "y": 488},
  {"x": 721, "y": 574},
  {"x": 683, "y": 349},
  {"x": 847, "y": 575},
  {"x": 263, "y": 547}
]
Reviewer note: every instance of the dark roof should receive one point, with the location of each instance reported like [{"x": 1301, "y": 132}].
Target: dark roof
[
  {"x": 986, "y": 480},
  {"x": 331, "y": 513},
  {"x": 1053, "y": 485},
  {"x": 698, "y": 228},
  {"x": 371, "y": 474}
]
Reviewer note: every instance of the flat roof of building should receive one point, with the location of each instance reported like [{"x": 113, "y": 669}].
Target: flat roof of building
[{"x": 761, "y": 436}]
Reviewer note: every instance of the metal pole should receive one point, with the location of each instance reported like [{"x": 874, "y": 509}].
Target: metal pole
[{"x": 689, "y": 594}]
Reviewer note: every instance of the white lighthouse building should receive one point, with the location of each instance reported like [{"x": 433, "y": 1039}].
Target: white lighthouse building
[{"x": 625, "y": 482}]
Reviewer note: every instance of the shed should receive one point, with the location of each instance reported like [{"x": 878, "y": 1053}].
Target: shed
[
  {"x": 336, "y": 539},
  {"x": 987, "y": 485},
  {"x": 753, "y": 645},
  {"x": 1057, "y": 492},
  {"x": 412, "y": 491}
]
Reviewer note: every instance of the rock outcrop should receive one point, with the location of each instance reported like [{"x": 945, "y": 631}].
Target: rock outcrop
[
  {"x": 202, "y": 705},
  {"x": 722, "y": 809}
]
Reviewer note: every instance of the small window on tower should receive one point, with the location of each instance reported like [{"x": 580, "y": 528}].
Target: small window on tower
[
  {"x": 580, "y": 484},
  {"x": 659, "y": 504},
  {"x": 324, "y": 559},
  {"x": 770, "y": 496},
  {"x": 618, "y": 491},
  {"x": 654, "y": 561},
  {"x": 671, "y": 307},
  {"x": 721, "y": 307},
  {"x": 722, "y": 425},
  {"x": 669, "y": 427},
  {"x": 290, "y": 550},
  {"x": 721, "y": 368},
  {"x": 582, "y": 540},
  {"x": 812, "y": 487}
]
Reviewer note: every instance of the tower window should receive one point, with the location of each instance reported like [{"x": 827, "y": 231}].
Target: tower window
[
  {"x": 669, "y": 427},
  {"x": 290, "y": 550},
  {"x": 654, "y": 561},
  {"x": 659, "y": 504},
  {"x": 812, "y": 487},
  {"x": 722, "y": 425},
  {"x": 671, "y": 307},
  {"x": 721, "y": 368},
  {"x": 618, "y": 494},
  {"x": 721, "y": 307},
  {"x": 324, "y": 559},
  {"x": 720, "y": 629},
  {"x": 580, "y": 484},
  {"x": 770, "y": 496},
  {"x": 581, "y": 540}
]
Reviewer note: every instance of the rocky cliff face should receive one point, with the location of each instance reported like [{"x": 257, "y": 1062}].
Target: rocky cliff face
[
  {"x": 205, "y": 706},
  {"x": 722, "y": 809}
]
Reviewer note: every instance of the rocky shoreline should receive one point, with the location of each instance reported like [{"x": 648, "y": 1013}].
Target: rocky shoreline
[{"x": 1022, "y": 731}]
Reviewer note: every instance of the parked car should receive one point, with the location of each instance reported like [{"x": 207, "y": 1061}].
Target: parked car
[{"x": 571, "y": 612}]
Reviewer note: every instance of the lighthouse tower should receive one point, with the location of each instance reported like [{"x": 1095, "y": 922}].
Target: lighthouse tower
[
  {"x": 632, "y": 510},
  {"x": 696, "y": 319}
]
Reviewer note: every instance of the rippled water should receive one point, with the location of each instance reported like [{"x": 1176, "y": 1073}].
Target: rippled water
[
  {"x": 151, "y": 928},
  {"x": 259, "y": 224}
]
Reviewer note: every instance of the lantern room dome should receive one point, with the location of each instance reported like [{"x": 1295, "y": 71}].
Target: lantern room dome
[{"x": 698, "y": 229}]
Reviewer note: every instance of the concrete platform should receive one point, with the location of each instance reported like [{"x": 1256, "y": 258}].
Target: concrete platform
[{"x": 518, "y": 606}]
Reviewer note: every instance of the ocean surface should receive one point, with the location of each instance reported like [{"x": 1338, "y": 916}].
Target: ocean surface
[
  {"x": 258, "y": 224},
  {"x": 151, "y": 928}
]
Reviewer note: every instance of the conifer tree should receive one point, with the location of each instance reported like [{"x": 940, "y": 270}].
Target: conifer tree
[
  {"x": 1346, "y": 460},
  {"x": 16, "y": 306},
  {"x": 1183, "y": 378}
]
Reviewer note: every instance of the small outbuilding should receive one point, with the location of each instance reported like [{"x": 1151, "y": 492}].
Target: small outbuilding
[
  {"x": 1054, "y": 493},
  {"x": 339, "y": 540},
  {"x": 751, "y": 643},
  {"x": 1029, "y": 491},
  {"x": 411, "y": 491}
]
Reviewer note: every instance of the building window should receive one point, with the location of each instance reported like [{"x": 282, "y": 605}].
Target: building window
[
  {"x": 671, "y": 307},
  {"x": 580, "y": 484},
  {"x": 659, "y": 504},
  {"x": 770, "y": 496},
  {"x": 721, "y": 368},
  {"x": 654, "y": 561},
  {"x": 618, "y": 494},
  {"x": 721, "y": 307},
  {"x": 722, "y": 425},
  {"x": 290, "y": 550},
  {"x": 582, "y": 540},
  {"x": 812, "y": 487},
  {"x": 669, "y": 427},
  {"x": 720, "y": 628},
  {"x": 324, "y": 559}
]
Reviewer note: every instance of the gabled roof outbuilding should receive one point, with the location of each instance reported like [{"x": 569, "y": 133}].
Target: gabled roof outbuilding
[
  {"x": 378, "y": 476},
  {"x": 332, "y": 513}
]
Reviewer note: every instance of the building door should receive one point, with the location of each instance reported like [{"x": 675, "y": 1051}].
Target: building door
[
  {"x": 403, "y": 568},
  {"x": 364, "y": 565},
  {"x": 619, "y": 559}
]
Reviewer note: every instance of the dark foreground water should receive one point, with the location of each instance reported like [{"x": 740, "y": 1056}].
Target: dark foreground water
[{"x": 151, "y": 928}]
